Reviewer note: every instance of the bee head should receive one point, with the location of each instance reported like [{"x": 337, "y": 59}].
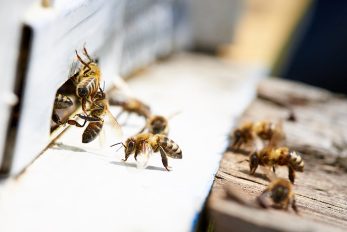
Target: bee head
[
  {"x": 82, "y": 92},
  {"x": 253, "y": 162},
  {"x": 130, "y": 146},
  {"x": 279, "y": 193}
]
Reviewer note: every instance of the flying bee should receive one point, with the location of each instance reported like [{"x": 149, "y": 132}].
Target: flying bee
[
  {"x": 242, "y": 136},
  {"x": 281, "y": 193},
  {"x": 268, "y": 131},
  {"x": 157, "y": 124},
  {"x": 130, "y": 105},
  {"x": 146, "y": 143},
  {"x": 87, "y": 79},
  {"x": 60, "y": 102},
  {"x": 97, "y": 111},
  {"x": 251, "y": 132},
  {"x": 272, "y": 157}
]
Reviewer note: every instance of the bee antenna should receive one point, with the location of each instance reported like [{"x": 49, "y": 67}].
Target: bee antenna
[
  {"x": 117, "y": 144},
  {"x": 80, "y": 59}
]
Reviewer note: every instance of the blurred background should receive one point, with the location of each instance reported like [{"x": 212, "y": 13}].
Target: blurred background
[{"x": 302, "y": 40}]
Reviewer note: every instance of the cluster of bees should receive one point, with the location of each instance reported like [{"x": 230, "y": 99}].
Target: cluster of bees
[
  {"x": 269, "y": 155},
  {"x": 95, "y": 106}
]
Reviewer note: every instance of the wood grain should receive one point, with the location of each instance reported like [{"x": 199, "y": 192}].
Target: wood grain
[{"x": 319, "y": 132}]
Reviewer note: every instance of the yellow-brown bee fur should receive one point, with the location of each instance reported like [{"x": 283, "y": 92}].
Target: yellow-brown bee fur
[
  {"x": 242, "y": 136},
  {"x": 281, "y": 193},
  {"x": 60, "y": 102},
  {"x": 266, "y": 131},
  {"x": 97, "y": 111},
  {"x": 271, "y": 157},
  {"x": 87, "y": 79},
  {"x": 166, "y": 147}
]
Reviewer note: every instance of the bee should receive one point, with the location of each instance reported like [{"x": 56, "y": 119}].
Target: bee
[
  {"x": 281, "y": 193},
  {"x": 242, "y": 136},
  {"x": 156, "y": 124},
  {"x": 266, "y": 131},
  {"x": 146, "y": 143},
  {"x": 61, "y": 102},
  {"x": 87, "y": 79},
  {"x": 97, "y": 111},
  {"x": 130, "y": 105},
  {"x": 272, "y": 157}
]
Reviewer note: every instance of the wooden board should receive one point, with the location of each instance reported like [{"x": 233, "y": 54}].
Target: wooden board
[
  {"x": 87, "y": 187},
  {"x": 319, "y": 132}
]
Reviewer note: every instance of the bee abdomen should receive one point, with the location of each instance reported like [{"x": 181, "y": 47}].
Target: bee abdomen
[
  {"x": 91, "y": 132},
  {"x": 61, "y": 101},
  {"x": 170, "y": 147},
  {"x": 296, "y": 161},
  {"x": 87, "y": 86}
]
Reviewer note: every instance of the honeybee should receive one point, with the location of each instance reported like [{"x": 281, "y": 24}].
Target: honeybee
[
  {"x": 241, "y": 136},
  {"x": 97, "y": 111},
  {"x": 266, "y": 131},
  {"x": 87, "y": 79},
  {"x": 146, "y": 143},
  {"x": 156, "y": 124},
  {"x": 281, "y": 193},
  {"x": 272, "y": 157},
  {"x": 61, "y": 102},
  {"x": 130, "y": 105}
]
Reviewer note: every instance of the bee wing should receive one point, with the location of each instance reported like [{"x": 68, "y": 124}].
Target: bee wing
[
  {"x": 115, "y": 124},
  {"x": 146, "y": 152},
  {"x": 278, "y": 135}
]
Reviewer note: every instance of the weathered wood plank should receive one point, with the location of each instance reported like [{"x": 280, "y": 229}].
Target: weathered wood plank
[{"x": 319, "y": 132}]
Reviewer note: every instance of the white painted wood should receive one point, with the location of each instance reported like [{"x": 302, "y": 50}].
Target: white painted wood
[
  {"x": 11, "y": 16},
  {"x": 57, "y": 32},
  {"x": 76, "y": 187}
]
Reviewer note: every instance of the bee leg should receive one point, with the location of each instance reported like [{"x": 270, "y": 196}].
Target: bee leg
[
  {"x": 89, "y": 118},
  {"x": 136, "y": 153},
  {"x": 294, "y": 207},
  {"x": 86, "y": 54},
  {"x": 126, "y": 157},
  {"x": 164, "y": 159},
  {"x": 80, "y": 59},
  {"x": 253, "y": 163},
  {"x": 291, "y": 174},
  {"x": 84, "y": 105},
  {"x": 142, "y": 130},
  {"x": 75, "y": 123},
  {"x": 274, "y": 169}
]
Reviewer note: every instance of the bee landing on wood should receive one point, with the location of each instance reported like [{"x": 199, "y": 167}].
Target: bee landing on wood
[
  {"x": 97, "y": 111},
  {"x": 280, "y": 192},
  {"x": 60, "y": 102},
  {"x": 145, "y": 144},
  {"x": 250, "y": 133},
  {"x": 87, "y": 79},
  {"x": 272, "y": 157}
]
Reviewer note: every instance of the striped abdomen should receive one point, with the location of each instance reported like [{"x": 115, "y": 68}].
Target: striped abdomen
[
  {"x": 295, "y": 161},
  {"x": 170, "y": 147},
  {"x": 87, "y": 87},
  {"x": 62, "y": 102},
  {"x": 92, "y": 131}
]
